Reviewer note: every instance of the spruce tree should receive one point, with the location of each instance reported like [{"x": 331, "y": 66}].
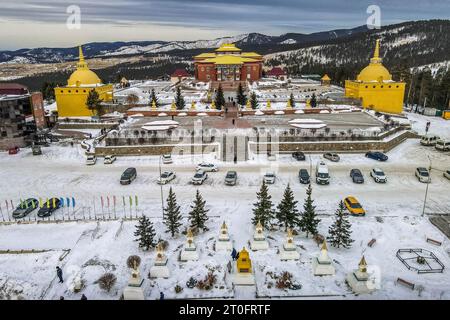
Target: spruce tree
[
  {"x": 154, "y": 98},
  {"x": 292, "y": 100},
  {"x": 308, "y": 222},
  {"x": 340, "y": 231},
  {"x": 262, "y": 210},
  {"x": 287, "y": 213},
  {"x": 172, "y": 216},
  {"x": 179, "y": 100},
  {"x": 313, "y": 101},
  {"x": 220, "y": 99},
  {"x": 254, "y": 101},
  {"x": 241, "y": 97},
  {"x": 145, "y": 233},
  {"x": 198, "y": 215},
  {"x": 93, "y": 102}
]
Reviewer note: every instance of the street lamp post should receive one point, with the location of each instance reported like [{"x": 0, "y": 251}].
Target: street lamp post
[
  {"x": 426, "y": 190},
  {"x": 161, "y": 188}
]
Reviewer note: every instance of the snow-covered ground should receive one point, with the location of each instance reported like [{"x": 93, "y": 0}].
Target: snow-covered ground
[{"x": 394, "y": 219}]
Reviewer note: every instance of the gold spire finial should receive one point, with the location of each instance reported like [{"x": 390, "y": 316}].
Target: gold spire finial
[
  {"x": 259, "y": 225},
  {"x": 289, "y": 233},
  {"x": 376, "y": 53},
  {"x": 80, "y": 54},
  {"x": 224, "y": 225},
  {"x": 324, "y": 246},
  {"x": 363, "y": 264}
]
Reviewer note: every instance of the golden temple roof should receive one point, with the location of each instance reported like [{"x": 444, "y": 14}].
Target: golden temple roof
[
  {"x": 375, "y": 71},
  {"x": 228, "y": 59},
  {"x": 228, "y": 47},
  {"x": 83, "y": 75},
  {"x": 326, "y": 78}
]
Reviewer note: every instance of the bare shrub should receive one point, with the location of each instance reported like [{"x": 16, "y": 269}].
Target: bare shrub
[{"x": 107, "y": 281}]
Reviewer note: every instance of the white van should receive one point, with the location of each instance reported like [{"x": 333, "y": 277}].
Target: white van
[
  {"x": 429, "y": 140},
  {"x": 322, "y": 174},
  {"x": 91, "y": 160},
  {"x": 442, "y": 145},
  {"x": 109, "y": 159}
]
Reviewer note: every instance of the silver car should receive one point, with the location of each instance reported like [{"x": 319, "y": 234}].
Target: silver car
[
  {"x": 332, "y": 156},
  {"x": 231, "y": 178},
  {"x": 269, "y": 178}
]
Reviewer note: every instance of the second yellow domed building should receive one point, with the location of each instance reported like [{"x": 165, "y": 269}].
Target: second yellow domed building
[
  {"x": 71, "y": 99},
  {"x": 375, "y": 87}
]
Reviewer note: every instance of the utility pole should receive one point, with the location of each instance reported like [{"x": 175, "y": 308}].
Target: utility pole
[
  {"x": 161, "y": 188},
  {"x": 426, "y": 190}
]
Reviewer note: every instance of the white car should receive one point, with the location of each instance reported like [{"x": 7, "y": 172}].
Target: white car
[
  {"x": 378, "y": 175},
  {"x": 91, "y": 160},
  {"x": 207, "y": 167},
  {"x": 269, "y": 178},
  {"x": 199, "y": 177},
  {"x": 166, "y": 177},
  {"x": 447, "y": 174},
  {"x": 109, "y": 159},
  {"x": 423, "y": 175},
  {"x": 167, "y": 159}
]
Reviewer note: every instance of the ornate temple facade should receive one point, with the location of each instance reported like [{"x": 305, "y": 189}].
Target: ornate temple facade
[
  {"x": 71, "y": 99},
  {"x": 375, "y": 87},
  {"x": 228, "y": 63}
]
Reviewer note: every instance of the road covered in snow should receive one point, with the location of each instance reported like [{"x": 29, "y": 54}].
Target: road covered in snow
[{"x": 394, "y": 218}]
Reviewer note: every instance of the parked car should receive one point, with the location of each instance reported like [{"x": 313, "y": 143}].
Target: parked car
[
  {"x": 231, "y": 178},
  {"x": 332, "y": 156},
  {"x": 36, "y": 150},
  {"x": 442, "y": 145},
  {"x": 49, "y": 207},
  {"x": 356, "y": 176},
  {"x": 423, "y": 175},
  {"x": 109, "y": 159},
  {"x": 303, "y": 176},
  {"x": 447, "y": 174},
  {"x": 322, "y": 173},
  {"x": 269, "y": 178},
  {"x": 199, "y": 177},
  {"x": 91, "y": 160},
  {"x": 298, "y": 155},
  {"x": 167, "y": 159},
  {"x": 207, "y": 167},
  {"x": 377, "y": 155},
  {"x": 128, "y": 176},
  {"x": 166, "y": 177},
  {"x": 25, "y": 208},
  {"x": 429, "y": 140},
  {"x": 13, "y": 150},
  {"x": 378, "y": 175},
  {"x": 354, "y": 207}
]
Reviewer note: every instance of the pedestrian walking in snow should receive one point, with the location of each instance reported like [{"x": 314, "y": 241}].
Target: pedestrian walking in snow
[
  {"x": 161, "y": 296},
  {"x": 233, "y": 254},
  {"x": 61, "y": 298},
  {"x": 59, "y": 273},
  {"x": 237, "y": 256},
  {"x": 83, "y": 297}
]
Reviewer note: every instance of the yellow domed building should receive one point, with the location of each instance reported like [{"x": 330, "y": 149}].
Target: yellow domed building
[
  {"x": 375, "y": 87},
  {"x": 71, "y": 99}
]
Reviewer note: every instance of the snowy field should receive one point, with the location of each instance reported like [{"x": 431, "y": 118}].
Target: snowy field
[{"x": 394, "y": 219}]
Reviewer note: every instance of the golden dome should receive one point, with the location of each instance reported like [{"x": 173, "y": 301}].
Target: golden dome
[
  {"x": 83, "y": 75},
  {"x": 375, "y": 71}
]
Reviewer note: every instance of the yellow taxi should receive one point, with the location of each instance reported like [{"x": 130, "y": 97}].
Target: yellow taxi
[{"x": 354, "y": 207}]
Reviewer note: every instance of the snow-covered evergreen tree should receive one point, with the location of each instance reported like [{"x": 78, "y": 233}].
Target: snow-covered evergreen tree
[
  {"x": 340, "y": 231},
  {"x": 154, "y": 98},
  {"x": 313, "y": 101},
  {"x": 199, "y": 214},
  {"x": 254, "y": 101},
  {"x": 179, "y": 100},
  {"x": 287, "y": 213},
  {"x": 145, "y": 233},
  {"x": 263, "y": 210},
  {"x": 241, "y": 97},
  {"x": 172, "y": 216},
  {"x": 220, "y": 99},
  {"x": 308, "y": 222},
  {"x": 292, "y": 100}
]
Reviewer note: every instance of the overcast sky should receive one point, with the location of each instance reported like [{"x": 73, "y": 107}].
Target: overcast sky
[{"x": 39, "y": 23}]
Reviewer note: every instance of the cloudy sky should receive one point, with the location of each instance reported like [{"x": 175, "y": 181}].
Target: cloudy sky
[{"x": 38, "y": 23}]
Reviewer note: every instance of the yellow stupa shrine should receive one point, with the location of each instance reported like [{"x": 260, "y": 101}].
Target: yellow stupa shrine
[
  {"x": 244, "y": 264},
  {"x": 71, "y": 99},
  {"x": 325, "y": 80},
  {"x": 375, "y": 87}
]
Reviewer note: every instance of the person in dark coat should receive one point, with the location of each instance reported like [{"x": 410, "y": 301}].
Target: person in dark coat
[
  {"x": 233, "y": 254},
  {"x": 61, "y": 298},
  {"x": 59, "y": 273},
  {"x": 83, "y": 297},
  {"x": 237, "y": 256},
  {"x": 161, "y": 296}
]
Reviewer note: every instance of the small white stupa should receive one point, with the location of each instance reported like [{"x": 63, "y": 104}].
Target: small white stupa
[
  {"x": 359, "y": 279},
  {"x": 160, "y": 269},
  {"x": 224, "y": 243},
  {"x": 259, "y": 241},
  {"x": 189, "y": 252},
  {"x": 134, "y": 290},
  {"x": 288, "y": 250},
  {"x": 322, "y": 265}
]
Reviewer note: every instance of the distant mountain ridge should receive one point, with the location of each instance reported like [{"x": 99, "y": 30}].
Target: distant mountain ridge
[{"x": 105, "y": 49}]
